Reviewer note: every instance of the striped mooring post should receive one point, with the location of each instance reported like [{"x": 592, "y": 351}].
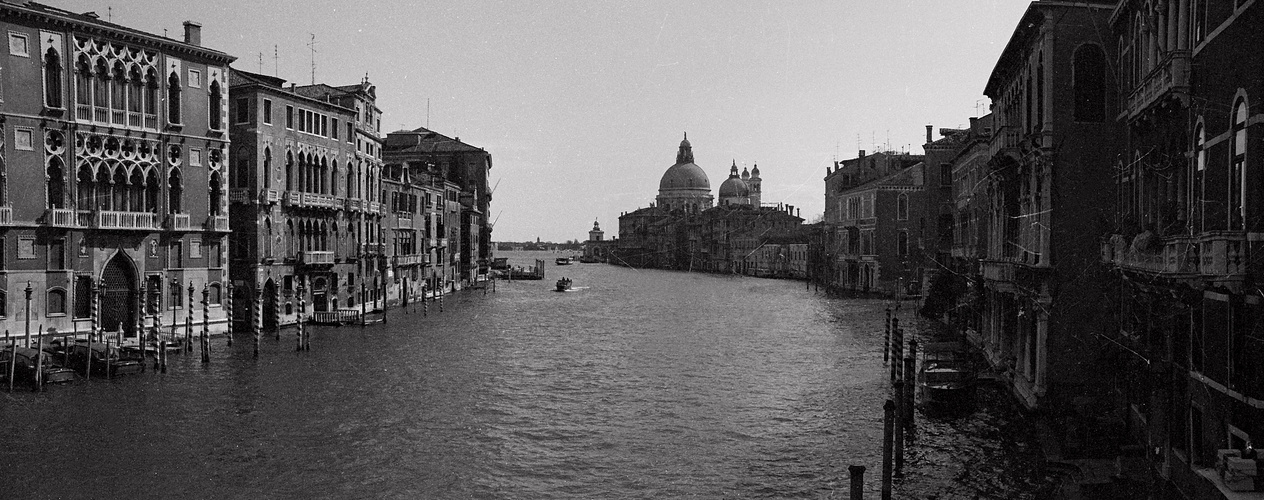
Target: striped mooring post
[
  {"x": 228, "y": 311},
  {"x": 256, "y": 312}
]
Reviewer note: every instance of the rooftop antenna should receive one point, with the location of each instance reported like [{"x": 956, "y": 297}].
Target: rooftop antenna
[
  {"x": 109, "y": 14},
  {"x": 312, "y": 45},
  {"x": 261, "y": 63},
  {"x": 427, "y": 113},
  {"x": 276, "y": 56}
]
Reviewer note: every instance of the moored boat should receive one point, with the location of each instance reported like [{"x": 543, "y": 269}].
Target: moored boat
[
  {"x": 946, "y": 378},
  {"x": 103, "y": 359},
  {"x": 563, "y": 284},
  {"x": 563, "y": 261},
  {"x": 24, "y": 367}
]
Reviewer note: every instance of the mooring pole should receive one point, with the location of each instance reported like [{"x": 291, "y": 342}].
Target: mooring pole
[
  {"x": 228, "y": 311},
  {"x": 886, "y": 344},
  {"x": 188, "y": 322},
  {"x": 898, "y": 427},
  {"x": 857, "y": 475},
  {"x": 888, "y": 423},
  {"x": 206, "y": 324}
]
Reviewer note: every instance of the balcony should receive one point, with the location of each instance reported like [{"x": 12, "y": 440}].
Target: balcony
[
  {"x": 1225, "y": 254},
  {"x": 376, "y": 208},
  {"x": 316, "y": 257},
  {"x": 374, "y": 248},
  {"x": 241, "y": 196},
  {"x": 6, "y": 216},
  {"x": 412, "y": 259},
  {"x": 108, "y": 219},
  {"x": 452, "y": 206},
  {"x": 60, "y": 217},
  {"x": 403, "y": 221},
  {"x": 314, "y": 200},
  {"x": 353, "y": 204},
  {"x": 217, "y": 223},
  {"x": 267, "y": 196},
  {"x": 292, "y": 199},
  {"x": 177, "y": 222},
  {"x": 1171, "y": 75},
  {"x": 1171, "y": 256}
]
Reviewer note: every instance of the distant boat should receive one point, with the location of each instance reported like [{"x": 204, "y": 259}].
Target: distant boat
[
  {"x": 563, "y": 284},
  {"x": 500, "y": 263},
  {"x": 563, "y": 261}
]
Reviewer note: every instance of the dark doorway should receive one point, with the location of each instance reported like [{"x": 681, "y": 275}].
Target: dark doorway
[{"x": 118, "y": 296}]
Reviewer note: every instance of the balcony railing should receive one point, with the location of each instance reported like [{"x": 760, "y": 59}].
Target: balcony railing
[
  {"x": 60, "y": 217},
  {"x": 1173, "y": 256},
  {"x": 240, "y": 195},
  {"x": 412, "y": 259},
  {"x": 178, "y": 222},
  {"x": 1172, "y": 74},
  {"x": 377, "y": 208},
  {"x": 6, "y": 216},
  {"x": 403, "y": 222},
  {"x": 108, "y": 219},
  {"x": 1223, "y": 253},
  {"x": 354, "y": 204},
  {"x": 316, "y": 257},
  {"x": 269, "y": 196},
  {"x": 314, "y": 200},
  {"x": 292, "y": 198},
  {"x": 218, "y": 223},
  {"x": 375, "y": 248}
]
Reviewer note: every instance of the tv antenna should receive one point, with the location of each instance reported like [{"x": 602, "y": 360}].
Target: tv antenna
[{"x": 312, "y": 45}]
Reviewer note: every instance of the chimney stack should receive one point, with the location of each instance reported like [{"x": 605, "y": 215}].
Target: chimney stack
[
  {"x": 974, "y": 122},
  {"x": 862, "y": 153},
  {"x": 928, "y": 135},
  {"x": 192, "y": 33}
]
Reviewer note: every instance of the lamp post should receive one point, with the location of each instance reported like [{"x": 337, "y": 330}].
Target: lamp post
[
  {"x": 28, "y": 290},
  {"x": 188, "y": 322}
]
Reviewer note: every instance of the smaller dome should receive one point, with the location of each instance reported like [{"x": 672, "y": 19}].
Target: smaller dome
[{"x": 734, "y": 185}]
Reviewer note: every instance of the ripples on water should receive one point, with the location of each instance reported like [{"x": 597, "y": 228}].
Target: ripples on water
[{"x": 640, "y": 384}]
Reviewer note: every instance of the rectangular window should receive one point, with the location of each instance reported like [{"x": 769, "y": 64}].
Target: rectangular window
[
  {"x": 57, "y": 254},
  {"x": 19, "y": 45},
  {"x": 56, "y": 302},
  {"x": 289, "y": 117},
  {"x": 214, "y": 254},
  {"x": 334, "y": 129},
  {"x": 267, "y": 111},
  {"x": 243, "y": 111},
  {"x": 175, "y": 255},
  {"x": 195, "y": 249},
  {"x": 83, "y": 296},
  {"x": 302, "y": 120},
  {"x": 350, "y": 133},
  {"x": 175, "y": 296},
  {"x": 945, "y": 174},
  {"x": 287, "y": 283},
  {"x": 195, "y": 78},
  {"x": 26, "y": 248},
  {"x": 195, "y": 157},
  {"x": 324, "y": 125},
  {"x": 24, "y": 139}
]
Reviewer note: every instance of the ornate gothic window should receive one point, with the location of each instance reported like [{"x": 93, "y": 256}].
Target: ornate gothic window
[
  {"x": 52, "y": 79},
  {"x": 1237, "y": 175},
  {"x": 175, "y": 190},
  {"x": 173, "y": 98},
  {"x": 56, "y": 183},
  {"x": 215, "y": 106}
]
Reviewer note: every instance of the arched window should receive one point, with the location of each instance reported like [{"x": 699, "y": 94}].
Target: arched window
[
  {"x": 174, "y": 191},
  {"x": 1237, "y": 176},
  {"x": 173, "y": 98},
  {"x": 100, "y": 93},
  {"x": 136, "y": 192},
  {"x": 215, "y": 106},
  {"x": 901, "y": 244},
  {"x": 56, "y": 183},
  {"x": 83, "y": 88},
  {"x": 901, "y": 207},
  {"x": 216, "y": 194},
  {"x": 56, "y": 301},
  {"x": 289, "y": 171},
  {"x": 118, "y": 190},
  {"x": 118, "y": 94},
  {"x": 1200, "y": 150},
  {"x": 213, "y": 298},
  {"x": 135, "y": 94},
  {"x": 52, "y": 79},
  {"x": 84, "y": 188},
  {"x": 1089, "y": 83},
  {"x": 267, "y": 241},
  {"x": 151, "y": 99},
  {"x": 241, "y": 169},
  {"x": 152, "y": 191}
]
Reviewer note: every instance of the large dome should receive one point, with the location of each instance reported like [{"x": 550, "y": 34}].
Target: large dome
[
  {"x": 734, "y": 186},
  {"x": 684, "y": 176}
]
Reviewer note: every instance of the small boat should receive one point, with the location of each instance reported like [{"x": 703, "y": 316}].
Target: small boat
[
  {"x": 946, "y": 379},
  {"x": 25, "y": 365},
  {"x": 563, "y": 284},
  {"x": 500, "y": 263},
  {"x": 103, "y": 359},
  {"x": 563, "y": 261}
]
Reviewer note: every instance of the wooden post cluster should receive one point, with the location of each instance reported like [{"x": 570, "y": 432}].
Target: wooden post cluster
[
  {"x": 188, "y": 322},
  {"x": 897, "y": 348},
  {"x": 886, "y": 343},
  {"x": 857, "y": 475},
  {"x": 898, "y": 427},
  {"x": 910, "y": 384}
]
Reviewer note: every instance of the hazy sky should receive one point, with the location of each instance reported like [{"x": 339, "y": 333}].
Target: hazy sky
[{"x": 582, "y": 104}]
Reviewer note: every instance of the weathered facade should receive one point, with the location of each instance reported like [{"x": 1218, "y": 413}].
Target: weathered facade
[
  {"x": 442, "y": 234},
  {"x": 117, "y": 142},
  {"x": 1185, "y": 245},
  {"x": 298, "y": 206}
]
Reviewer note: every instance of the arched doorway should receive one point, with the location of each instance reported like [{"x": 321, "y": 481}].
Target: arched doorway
[
  {"x": 118, "y": 296},
  {"x": 270, "y": 313},
  {"x": 243, "y": 296}
]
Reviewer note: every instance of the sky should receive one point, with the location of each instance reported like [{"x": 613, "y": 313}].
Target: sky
[{"x": 583, "y": 104}]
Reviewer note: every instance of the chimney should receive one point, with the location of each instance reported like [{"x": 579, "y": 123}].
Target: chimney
[
  {"x": 192, "y": 33},
  {"x": 798, "y": 212},
  {"x": 928, "y": 135},
  {"x": 862, "y": 153},
  {"x": 974, "y": 122}
]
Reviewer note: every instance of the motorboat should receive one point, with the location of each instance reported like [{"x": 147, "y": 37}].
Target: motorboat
[
  {"x": 563, "y": 284},
  {"x": 563, "y": 261},
  {"x": 946, "y": 378}
]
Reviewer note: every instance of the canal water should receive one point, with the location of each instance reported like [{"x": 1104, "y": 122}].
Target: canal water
[{"x": 635, "y": 384}]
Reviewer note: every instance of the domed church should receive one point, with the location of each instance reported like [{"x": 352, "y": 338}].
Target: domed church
[{"x": 684, "y": 185}]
